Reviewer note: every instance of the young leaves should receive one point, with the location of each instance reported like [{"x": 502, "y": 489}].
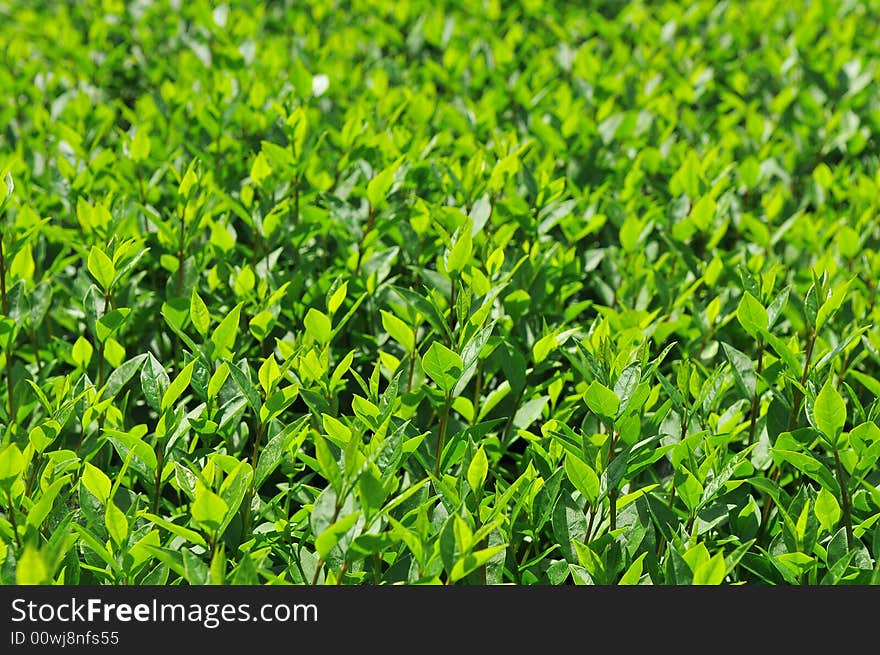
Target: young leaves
[
  {"x": 208, "y": 508},
  {"x": 602, "y": 400},
  {"x": 751, "y": 315},
  {"x": 198, "y": 313},
  {"x": 101, "y": 267},
  {"x": 443, "y": 366},
  {"x": 378, "y": 187},
  {"x": 178, "y": 386},
  {"x": 829, "y": 411}
]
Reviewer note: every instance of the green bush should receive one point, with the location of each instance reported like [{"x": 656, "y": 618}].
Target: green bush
[{"x": 439, "y": 292}]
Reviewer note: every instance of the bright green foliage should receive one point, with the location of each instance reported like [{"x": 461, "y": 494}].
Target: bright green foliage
[{"x": 439, "y": 292}]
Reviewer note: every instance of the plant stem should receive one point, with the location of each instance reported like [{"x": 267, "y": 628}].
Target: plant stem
[
  {"x": 158, "y": 486},
  {"x": 612, "y": 494},
  {"x": 101, "y": 344},
  {"x": 589, "y": 532},
  {"x": 371, "y": 220},
  {"x": 180, "y": 248},
  {"x": 37, "y": 359},
  {"x": 844, "y": 494},
  {"x": 524, "y": 559},
  {"x": 612, "y": 508},
  {"x": 412, "y": 359},
  {"x": 12, "y": 519},
  {"x": 452, "y": 304},
  {"x": 296, "y": 200},
  {"x": 321, "y": 559},
  {"x": 479, "y": 524},
  {"x": 798, "y": 394},
  {"x": 505, "y": 434},
  {"x": 212, "y": 543},
  {"x": 755, "y": 398},
  {"x": 140, "y": 180},
  {"x": 4, "y": 304},
  {"x": 256, "y": 450},
  {"x": 441, "y": 435},
  {"x": 33, "y": 476},
  {"x": 478, "y": 391},
  {"x": 317, "y": 571},
  {"x": 250, "y": 496}
]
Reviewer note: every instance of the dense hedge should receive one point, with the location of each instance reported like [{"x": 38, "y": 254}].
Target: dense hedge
[{"x": 439, "y": 292}]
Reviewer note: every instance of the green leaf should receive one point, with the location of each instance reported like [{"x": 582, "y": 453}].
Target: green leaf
[
  {"x": 273, "y": 452},
  {"x": 189, "y": 535},
  {"x": 10, "y": 188},
  {"x": 703, "y": 212},
  {"x": 588, "y": 559},
  {"x": 784, "y": 352},
  {"x": 318, "y": 326},
  {"x": 190, "y": 179},
  {"x": 82, "y": 352},
  {"x": 634, "y": 572},
  {"x": 154, "y": 382},
  {"x": 298, "y": 119},
  {"x": 811, "y": 466},
  {"x": 101, "y": 267},
  {"x": 378, "y": 187},
  {"x": 116, "y": 523},
  {"x": 478, "y": 469},
  {"x": 398, "y": 330},
  {"x": 251, "y": 393},
  {"x": 744, "y": 373},
  {"x": 32, "y": 568},
  {"x": 751, "y": 315},
  {"x": 582, "y": 476},
  {"x": 121, "y": 375},
  {"x": 110, "y": 323},
  {"x": 472, "y": 561},
  {"x": 371, "y": 491},
  {"x": 327, "y": 464},
  {"x": 601, "y": 400},
  {"x": 460, "y": 253},
  {"x": 41, "y": 436},
  {"x": 225, "y": 333},
  {"x": 218, "y": 379},
  {"x": 233, "y": 491},
  {"x": 827, "y": 509},
  {"x": 626, "y": 387},
  {"x": 712, "y": 571},
  {"x": 689, "y": 489},
  {"x": 12, "y": 464},
  {"x": 208, "y": 509},
  {"x": 217, "y": 569},
  {"x": 198, "y": 313},
  {"x": 337, "y": 298},
  {"x": 336, "y": 429},
  {"x": 140, "y": 145},
  {"x": 327, "y": 540},
  {"x": 268, "y": 374},
  {"x": 829, "y": 411},
  {"x": 97, "y": 482},
  {"x": 831, "y": 305},
  {"x": 178, "y": 386},
  {"x": 175, "y": 312},
  {"x": 443, "y": 366},
  {"x": 543, "y": 347},
  {"x": 40, "y": 510},
  {"x": 260, "y": 169}
]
